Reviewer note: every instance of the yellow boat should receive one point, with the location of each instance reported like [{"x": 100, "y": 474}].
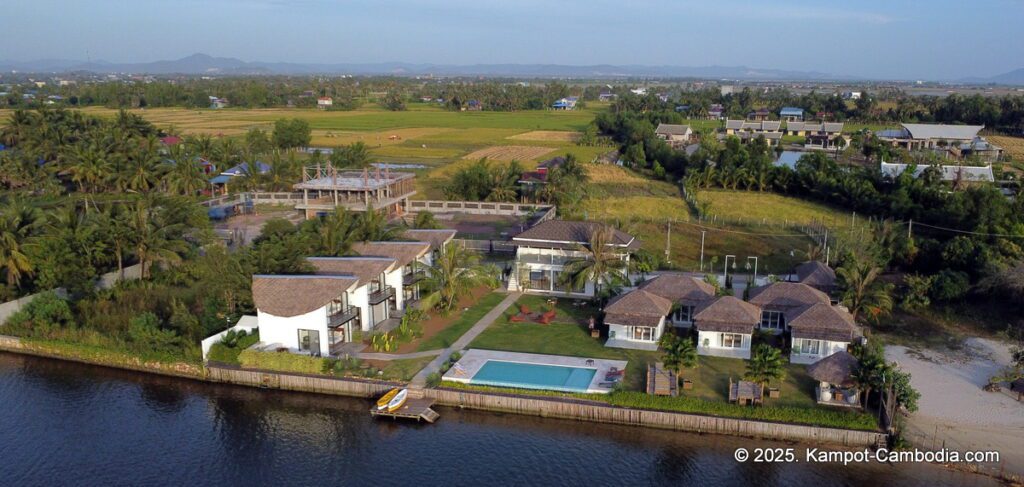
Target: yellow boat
[{"x": 382, "y": 403}]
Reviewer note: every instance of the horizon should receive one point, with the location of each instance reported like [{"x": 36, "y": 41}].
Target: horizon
[{"x": 462, "y": 33}]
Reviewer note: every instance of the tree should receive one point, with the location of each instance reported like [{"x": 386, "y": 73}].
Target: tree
[
  {"x": 426, "y": 220},
  {"x": 157, "y": 237},
  {"x": 292, "y": 133},
  {"x": 17, "y": 224},
  {"x": 454, "y": 272},
  {"x": 679, "y": 352},
  {"x": 861, "y": 292},
  {"x": 338, "y": 232},
  {"x": 393, "y": 101},
  {"x": 354, "y": 155},
  {"x": 765, "y": 366},
  {"x": 599, "y": 264}
]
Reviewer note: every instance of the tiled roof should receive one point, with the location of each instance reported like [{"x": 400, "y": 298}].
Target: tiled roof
[
  {"x": 365, "y": 268},
  {"x": 403, "y": 252},
  {"x": 670, "y": 129},
  {"x": 941, "y": 131},
  {"x": 637, "y": 308},
  {"x": 785, "y": 296},
  {"x": 295, "y": 295},
  {"x": 949, "y": 172},
  {"x": 569, "y": 233},
  {"x": 816, "y": 274},
  {"x": 679, "y": 288},
  {"x": 727, "y": 314},
  {"x": 822, "y": 322},
  {"x": 836, "y": 369}
]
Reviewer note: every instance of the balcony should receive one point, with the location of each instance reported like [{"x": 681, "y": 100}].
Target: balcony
[
  {"x": 542, "y": 259},
  {"x": 413, "y": 277},
  {"x": 346, "y": 314},
  {"x": 382, "y": 295}
]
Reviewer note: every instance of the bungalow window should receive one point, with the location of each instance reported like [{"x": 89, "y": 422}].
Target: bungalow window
[
  {"x": 772, "y": 320},
  {"x": 309, "y": 341},
  {"x": 732, "y": 340},
  {"x": 683, "y": 314},
  {"x": 810, "y": 347},
  {"x": 643, "y": 333}
]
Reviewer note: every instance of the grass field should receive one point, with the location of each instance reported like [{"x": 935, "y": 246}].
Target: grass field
[
  {"x": 1013, "y": 147},
  {"x": 758, "y": 207}
]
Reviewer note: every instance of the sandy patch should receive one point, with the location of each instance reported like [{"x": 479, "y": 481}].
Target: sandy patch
[
  {"x": 510, "y": 152},
  {"x": 548, "y": 136},
  {"x": 954, "y": 409}
]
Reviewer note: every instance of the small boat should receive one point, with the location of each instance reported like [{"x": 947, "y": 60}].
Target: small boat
[
  {"x": 382, "y": 403},
  {"x": 398, "y": 401}
]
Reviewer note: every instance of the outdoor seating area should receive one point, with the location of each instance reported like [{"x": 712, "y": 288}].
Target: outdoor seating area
[
  {"x": 526, "y": 315},
  {"x": 745, "y": 393},
  {"x": 836, "y": 386}
]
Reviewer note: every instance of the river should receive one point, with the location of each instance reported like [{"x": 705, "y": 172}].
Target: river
[{"x": 63, "y": 423}]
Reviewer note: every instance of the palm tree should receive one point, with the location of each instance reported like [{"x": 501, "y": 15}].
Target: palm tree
[
  {"x": 115, "y": 226},
  {"x": 17, "y": 223},
  {"x": 600, "y": 264},
  {"x": 765, "y": 366},
  {"x": 356, "y": 155},
  {"x": 155, "y": 236},
  {"x": 90, "y": 167},
  {"x": 373, "y": 225},
  {"x": 338, "y": 232},
  {"x": 679, "y": 352},
  {"x": 185, "y": 176},
  {"x": 454, "y": 272},
  {"x": 861, "y": 291},
  {"x": 425, "y": 220}
]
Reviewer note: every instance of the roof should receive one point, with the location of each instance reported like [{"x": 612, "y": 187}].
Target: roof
[
  {"x": 404, "y": 253},
  {"x": 782, "y": 296},
  {"x": 243, "y": 169},
  {"x": 837, "y": 369},
  {"x": 679, "y": 288},
  {"x": 941, "y": 131},
  {"x": 637, "y": 308},
  {"x": 816, "y": 274},
  {"x": 565, "y": 233},
  {"x": 435, "y": 237},
  {"x": 365, "y": 268},
  {"x": 791, "y": 111},
  {"x": 823, "y": 322},
  {"x": 355, "y": 180},
  {"x": 762, "y": 126},
  {"x": 670, "y": 129},
  {"x": 828, "y": 127},
  {"x": 949, "y": 173},
  {"x": 727, "y": 314},
  {"x": 295, "y": 295}
]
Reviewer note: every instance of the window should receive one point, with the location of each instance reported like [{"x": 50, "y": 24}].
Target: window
[
  {"x": 683, "y": 314},
  {"x": 309, "y": 341},
  {"x": 772, "y": 320},
  {"x": 337, "y": 305},
  {"x": 643, "y": 333},
  {"x": 810, "y": 347},
  {"x": 732, "y": 340}
]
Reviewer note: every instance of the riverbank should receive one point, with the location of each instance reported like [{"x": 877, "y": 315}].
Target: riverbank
[{"x": 488, "y": 401}]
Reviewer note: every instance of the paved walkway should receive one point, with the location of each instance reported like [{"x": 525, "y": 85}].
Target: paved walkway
[{"x": 435, "y": 365}]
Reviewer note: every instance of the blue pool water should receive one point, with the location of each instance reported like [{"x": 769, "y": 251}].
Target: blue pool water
[{"x": 534, "y": 376}]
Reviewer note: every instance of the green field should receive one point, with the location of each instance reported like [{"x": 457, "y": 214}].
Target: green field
[{"x": 755, "y": 207}]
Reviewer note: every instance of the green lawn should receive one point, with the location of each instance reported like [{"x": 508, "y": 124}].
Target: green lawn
[
  {"x": 756, "y": 207},
  {"x": 404, "y": 369},
  {"x": 711, "y": 382},
  {"x": 466, "y": 319}
]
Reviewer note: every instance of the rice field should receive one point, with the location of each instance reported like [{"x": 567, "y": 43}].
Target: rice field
[
  {"x": 510, "y": 153},
  {"x": 752, "y": 207},
  {"x": 1013, "y": 147},
  {"x": 548, "y": 136}
]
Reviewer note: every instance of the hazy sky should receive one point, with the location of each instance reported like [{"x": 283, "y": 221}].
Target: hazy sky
[{"x": 939, "y": 39}]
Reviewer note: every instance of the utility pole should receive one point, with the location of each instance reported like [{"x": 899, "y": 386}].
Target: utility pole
[
  {"x": 702, "y": 232},
  {"x": 668, "y": 243},
  {"x": 910, "y": 229}
]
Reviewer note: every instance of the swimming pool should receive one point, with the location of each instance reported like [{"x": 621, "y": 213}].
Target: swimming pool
[{"x": 534, "y": 376}]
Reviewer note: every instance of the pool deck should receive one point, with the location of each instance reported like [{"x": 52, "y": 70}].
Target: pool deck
[{"x": 471, "y": 362}]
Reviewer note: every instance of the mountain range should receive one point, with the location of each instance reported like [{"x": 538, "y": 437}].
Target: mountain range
[{"x": 209, "y": 65}]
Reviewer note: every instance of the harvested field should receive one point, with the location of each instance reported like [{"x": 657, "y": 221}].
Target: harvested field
[
  {"x": 1012, "y": 146},
  {"x": 510, "y": 153},
  {"x": 548, "y": 136}
]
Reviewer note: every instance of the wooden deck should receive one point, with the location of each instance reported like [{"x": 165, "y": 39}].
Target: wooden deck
[
  {"x": 661, "y": 382},
  {"x": 418, "y": 409}
]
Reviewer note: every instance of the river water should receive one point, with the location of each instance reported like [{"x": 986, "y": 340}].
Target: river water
[{"x": 63, "y": 423}]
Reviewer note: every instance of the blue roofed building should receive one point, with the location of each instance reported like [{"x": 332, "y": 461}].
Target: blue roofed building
[
  {"x": 567, "y": 103},
  {"x": 791, "y": 114},
  {"x": 221, "y": 180}
]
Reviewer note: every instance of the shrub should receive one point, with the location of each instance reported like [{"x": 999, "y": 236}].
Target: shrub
[
  {"x": 144, "y": 333},
  {"x": 227, "y": 350},
  {"x": 41, "y": 315},
  {"x": 950, "y": 285},
  {"x": 433, "y": 379},
  {"x": 281, "y": 361}
]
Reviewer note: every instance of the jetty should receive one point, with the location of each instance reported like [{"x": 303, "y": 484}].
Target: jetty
[{"x": 418, "y": 409}]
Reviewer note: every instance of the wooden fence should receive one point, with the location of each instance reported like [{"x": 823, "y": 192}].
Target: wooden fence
[{"x": 603, "y": 413}]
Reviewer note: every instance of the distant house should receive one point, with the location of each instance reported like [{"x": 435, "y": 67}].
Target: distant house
[
  {"x": 324, "y": 102},
  {"x": 726, "y": 90},
  {"x": 851, "y": 95},
  {"x": 474, "y": 106},
  {"x": 221, "y": 180},
  {"x": 748, "y": 131},
  {"x": 217, "y": 103},
  {"x": 540, "y": 175},
  {"x": 725, "y": 327},
  {"x": 791, "y": 114},
  {"x": 716, "y": 112},
  {"x": 949, "y": 140},
  {"x": 981, "y": 149},
  {"x": 170, "y": 140},
  {"x": 959, "y": 174},
  {"x": 426, "y": 99},
  {"x": 663, "y": 97},
  {"x": 567, "y": 103},
  {"x": 606, "y": 95},
  {"x": 675, "y": 135},
  {"x": 761, "y": 114},
  {"x": 638, "y": 91},
  {"x": 822, "y": 135}
]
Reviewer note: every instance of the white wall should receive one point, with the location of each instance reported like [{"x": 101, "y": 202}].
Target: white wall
[
  {"x": 622, "y": 332},
  {"x": 394, "y": 279},
  {"x": 827, "y": 348},
  {"x": 285, "y": 330},
  {"x": 248, "y": 323},
  {"x": 360, "y": 298},
  {"x": 714, "y": 348}
]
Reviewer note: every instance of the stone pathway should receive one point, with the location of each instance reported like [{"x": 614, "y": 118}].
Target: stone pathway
[{"x": 435, "y": 365}]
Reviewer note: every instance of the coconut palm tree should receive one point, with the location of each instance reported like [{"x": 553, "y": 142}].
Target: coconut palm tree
[
  {"x": 185, "y": 176},
  {"x": 454, "y": 272},
  {"x": 862, "y": 293},
  {"x": 17, "y": 224},
  {"x": 600, "y": 264},
  {"x": 338, "y": 232},
  {"x": 679, "y": 352},
  {"x": 765, "y": 365},
  {"x": 373, "y": 225},
  {"x": 155, "y": 236}
]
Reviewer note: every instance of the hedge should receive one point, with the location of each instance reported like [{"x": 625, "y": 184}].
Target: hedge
[
  {"x": 282, "y": 362},
  {"x": 229, "y": 355}
]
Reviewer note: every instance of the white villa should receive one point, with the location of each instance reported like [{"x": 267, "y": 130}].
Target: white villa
[
  {"x": 685, "y": 293},
  {"x": 725, "y": 327},
  {"x": 636, "y": 320},
  {"x": 817, "y": 329},
  {"x": 543, "y": 251}
]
